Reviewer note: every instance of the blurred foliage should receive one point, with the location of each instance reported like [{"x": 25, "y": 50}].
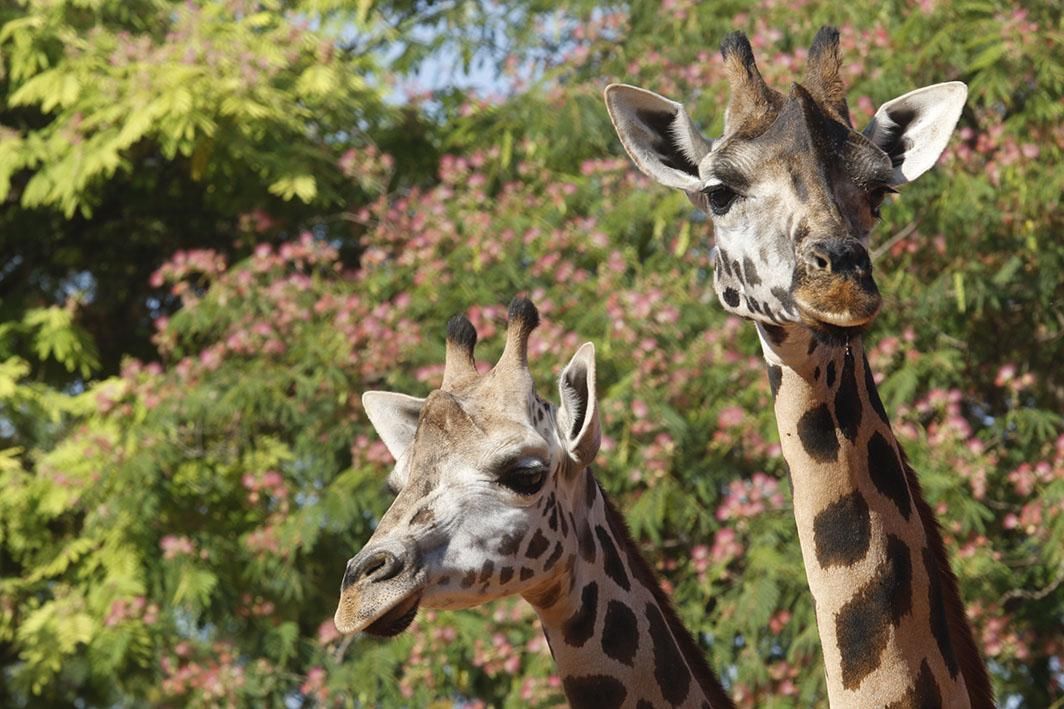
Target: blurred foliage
[{"x": 224, "y": 220}]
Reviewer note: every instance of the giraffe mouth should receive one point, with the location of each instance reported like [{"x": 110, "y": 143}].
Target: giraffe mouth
[
  {"x": 397, "y": 619},
  {"x": 837, "y": 302}
]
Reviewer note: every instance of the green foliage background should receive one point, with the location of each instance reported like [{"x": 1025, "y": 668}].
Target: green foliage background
[{"x": 222, "y": 221}]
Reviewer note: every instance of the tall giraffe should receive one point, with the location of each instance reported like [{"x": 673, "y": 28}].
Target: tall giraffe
[
  {"x": 495, "y": 497},
  {"x": 793, "y": 192}
]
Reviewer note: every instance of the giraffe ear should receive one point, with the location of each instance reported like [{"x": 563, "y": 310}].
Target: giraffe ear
[
  {"x": 658, "y": 135},
  {"x": 914, "y": 129},
  {"x": 395, "y": 417},
  {"x": 578, "y": 420}
]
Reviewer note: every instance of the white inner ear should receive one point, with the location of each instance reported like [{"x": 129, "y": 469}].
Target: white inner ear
[
  {"x": 395, "y": 418},
  {"x": 628, "y": 107},
  {"x": 916, "y": 127},
  {"x": 579, "y": 410}
]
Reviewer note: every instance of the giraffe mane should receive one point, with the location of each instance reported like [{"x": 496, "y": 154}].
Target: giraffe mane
[
  {"x": 693, "y": 654},
  {"x": 980, "y": 693}
]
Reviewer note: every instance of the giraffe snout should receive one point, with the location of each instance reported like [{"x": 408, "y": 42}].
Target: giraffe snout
[{"x": 833, "y": 283}]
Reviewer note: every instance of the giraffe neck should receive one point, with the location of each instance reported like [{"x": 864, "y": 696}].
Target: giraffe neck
[
  {"x": 612, "y": 631},
  {"x": 890, "y": 618}
]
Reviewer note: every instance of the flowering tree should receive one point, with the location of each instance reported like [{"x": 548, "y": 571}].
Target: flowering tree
[{"x": 174, "y": 530}]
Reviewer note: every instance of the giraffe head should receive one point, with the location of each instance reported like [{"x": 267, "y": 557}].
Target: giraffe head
[
  {"x": 792, "y": 189},
  {"x": 485, "y": 477}
]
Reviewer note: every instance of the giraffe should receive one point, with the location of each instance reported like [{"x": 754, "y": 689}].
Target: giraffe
[
  {"x": 495, "y": 497},
  {"x": 793, "y": 192}
]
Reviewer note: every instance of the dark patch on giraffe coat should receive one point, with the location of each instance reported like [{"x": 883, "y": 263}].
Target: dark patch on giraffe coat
[
  {"x": 670, "y": 670},
  {"x": 785, "y": 299},
  {"x": 841, "y": 531},
  {"x": 505, "y": 574},
  {"x": 591, "y": 488},
  {"x": 830, "y": 380},
  {"x": 526, "y": 573},
  {"x": 816, "y": 374},
  {"x": 812, "y": 346},
  {"x": 848, "y": 401},
  {"x": 594, "y": 692},
  {"x": 750, "y": 275},
  {"x": 612, "y": 563},
  {"x": 816, "y": 431},
  {"x": 722, "y": 259},
  {"x": 862, "y": 626},
  {"x": 939, "y": 622},
  {"x": 775, "y": 378},
  {"x": 547, "y": 597},
  {"x": 510, "y": 543},
  {"x": 554, "y": 556},
  {"x": 564, "y": 524},
  {"x": 777, "y": 335},
  {"x": 644, "y": 704},
  {"x": 469, "y": 579},
  {"x": 886, "y": 472},
  {"x": 487, "y": 570},
  {"x": 620, "y": 633},
  {"x": 873, "y": 393},
  {"x": 923, "y": 694},
  {"x": 731, "y": 297},
  {"x": 587, "y": 543},
  {"x": 580, "y": 626},
  {"x": 553, "y": 521},
  {"x": 537, "y": 546},
  {"x": 444, "y": 581}
]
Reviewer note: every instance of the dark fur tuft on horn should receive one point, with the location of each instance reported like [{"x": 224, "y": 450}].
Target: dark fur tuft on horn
[
  {"x": 752, "y": 103},
  {"x": 461, "y": 333},
  {"x": 522, "y": 320},
  {"x": 822, "y": 74},
  {"x": 735, "y": 44},
  {"x": 524, "y": 312},
  {"x": 459, "y": 362}
]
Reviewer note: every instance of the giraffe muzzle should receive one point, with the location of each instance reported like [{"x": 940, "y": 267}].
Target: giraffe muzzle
[
  {"x": 834, "y": 284},
  {"x": 380, "y": 592}
]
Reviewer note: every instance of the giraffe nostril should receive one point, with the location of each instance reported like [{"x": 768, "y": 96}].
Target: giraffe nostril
[
  {"x": 375, "y": 566},
  {"x": 818, "y": 258}
]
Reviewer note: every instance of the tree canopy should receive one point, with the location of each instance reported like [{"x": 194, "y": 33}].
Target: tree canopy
[{"x": 222, "y": 221}]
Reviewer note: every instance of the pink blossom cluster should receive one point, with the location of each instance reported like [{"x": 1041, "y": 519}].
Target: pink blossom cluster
[
  {"x": 750, "y": 497},
  {"x": 266, "y": 539},
  {"x": 216, "y": 680},
  {"x": 269, "y": 483},
  {"x": 254, "y": 606},
  {"x": 203, "y": 263},
  {"x": 174, "y": 546},
  {"x": 315, "y": 685},
  {"x": 991, "y": 151},
  {"x": 136, "y": 608}
]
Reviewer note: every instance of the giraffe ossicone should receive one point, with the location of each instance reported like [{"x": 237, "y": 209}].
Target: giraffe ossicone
[
  {"x": 793, "y": 192},
  {"x": 495, "y": 497}
]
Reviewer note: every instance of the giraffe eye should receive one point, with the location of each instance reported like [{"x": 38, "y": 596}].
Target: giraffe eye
[
  {"x": 525, "y": 477},
  {"x": 876, "y": 196},
  {"x": 721, "y": 198}
]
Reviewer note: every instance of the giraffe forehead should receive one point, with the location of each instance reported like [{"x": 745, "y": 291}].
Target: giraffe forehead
[{"x": 810, "y": 147}]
